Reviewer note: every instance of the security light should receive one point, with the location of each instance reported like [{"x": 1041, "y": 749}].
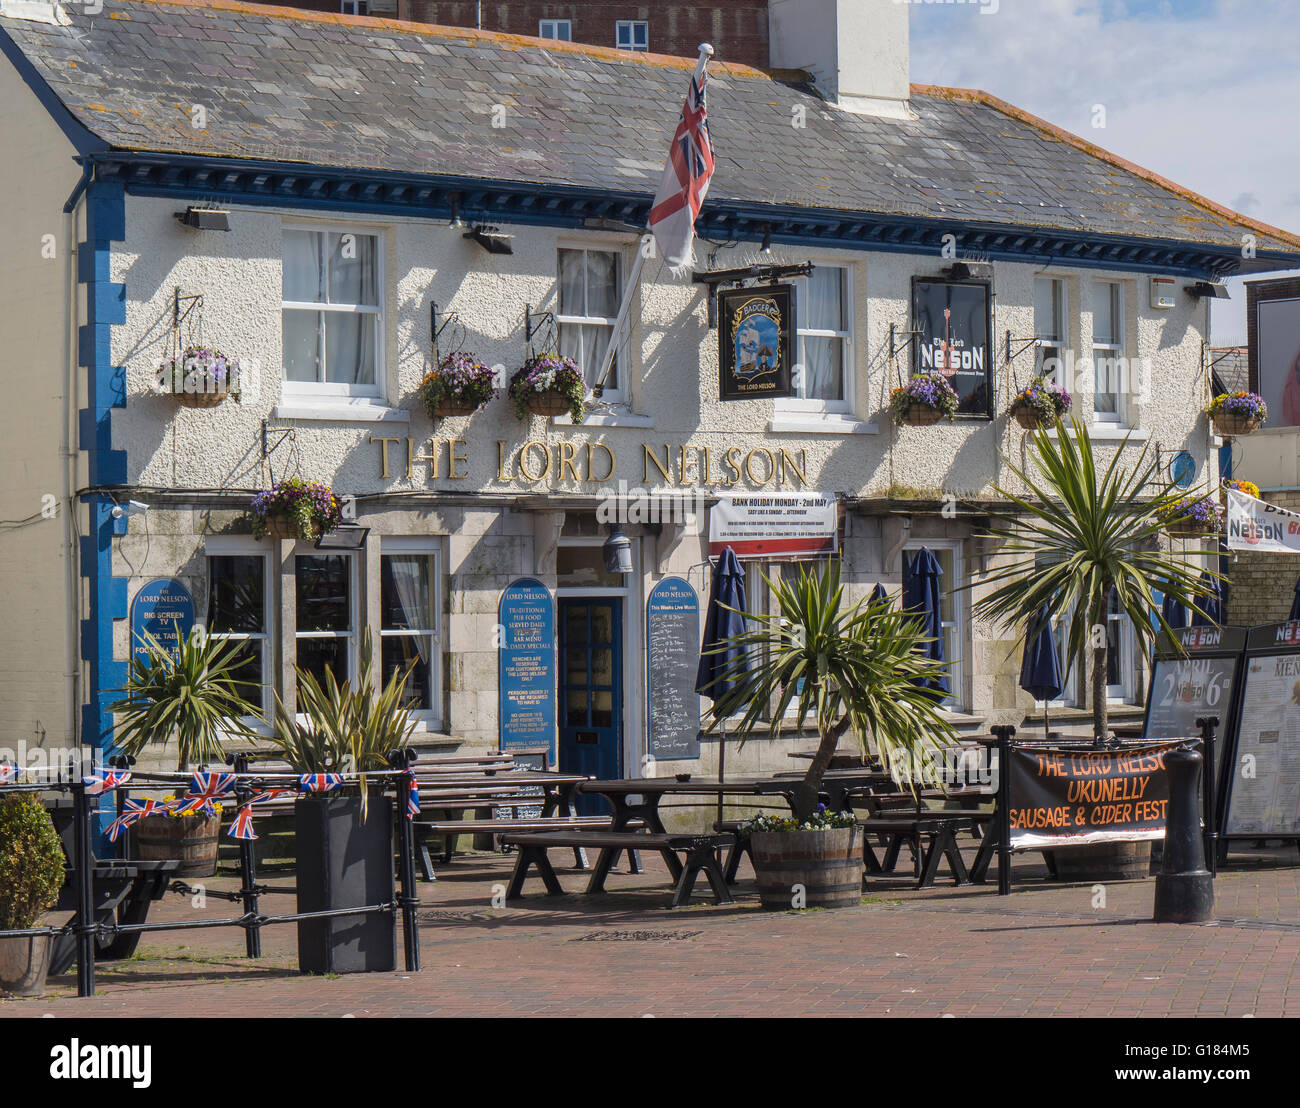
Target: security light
[
  {"x": 204, "y": 219},
  {"x": 347, "y": 536},
  {"x": 766, "y": 248},
  {"x": 1209, "y": 289}
]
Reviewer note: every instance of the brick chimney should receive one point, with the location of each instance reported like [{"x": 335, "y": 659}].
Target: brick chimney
[{"x": 856, "y": 50}]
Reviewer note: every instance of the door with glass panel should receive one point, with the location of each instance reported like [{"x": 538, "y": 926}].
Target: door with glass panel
[
  {"x": 325, "y": 631},
  {"x": 591, "y": 691},
  {"x": 409, "y": 627}
]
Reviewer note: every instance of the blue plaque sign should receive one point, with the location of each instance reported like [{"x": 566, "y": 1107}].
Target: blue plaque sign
[
  {"x": 526, "y": 673},
  {"x": 672, "y": 654},
  {"x": 162, "y": 608}
]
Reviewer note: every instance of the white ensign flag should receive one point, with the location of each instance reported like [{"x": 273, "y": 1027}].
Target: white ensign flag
[{"x": 1256, "y": 525}]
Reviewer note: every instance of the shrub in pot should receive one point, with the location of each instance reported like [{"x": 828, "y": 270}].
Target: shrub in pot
[
  {"x": 31, "y": 875},
  {"x": 344, "y": 844},
  {"x": 923, "y": 400},
  {"x": 857, "y": 667},
  {"x": 196, "y": 697},
  {"x": 460, "y": 385}
]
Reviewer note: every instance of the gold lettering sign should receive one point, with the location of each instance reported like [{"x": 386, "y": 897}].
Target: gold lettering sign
[{"x": 687, "y": 465}]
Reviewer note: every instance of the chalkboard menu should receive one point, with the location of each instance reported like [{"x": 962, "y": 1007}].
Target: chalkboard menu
[
  {"x": 1202, "y": 682},
  {"x": 1264, "y": 789},
  {"x": 526, "y": 667},
  {"x": 164, "y": 609},
  {"x": 672, "y": 631}
]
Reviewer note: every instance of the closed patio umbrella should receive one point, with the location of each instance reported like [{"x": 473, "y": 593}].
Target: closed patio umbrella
[
  {"x": 1040, "y": 669},
  {"x": 1212, "y": 603},
  {"x": 722, "y": 621},
  {"x": 921, "y": 575},
  {"x": 1295, "y": 603},
  {"x": 1175, "y": 614},
  {"x": 878, "y": 594}
]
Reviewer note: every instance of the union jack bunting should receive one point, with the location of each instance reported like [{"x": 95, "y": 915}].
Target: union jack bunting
[
  {"x": 133, "y": 812},
  {"x": 106, "y": 781},
  {"x": 8, "y": 773},
  {"x": 204, "y": 789},
  {"x": 685, "y": 181},
  {"x": 320, "y": 782},
  {"x": 242, "y": 826},
  {"x": 412, "y": 796}
]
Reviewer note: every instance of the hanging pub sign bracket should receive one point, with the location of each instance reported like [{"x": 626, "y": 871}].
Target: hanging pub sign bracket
[
  {"x": 1028, "y": 344},
  {"x": 535, "y": 322},
  {"x": 436, "y": 326},
  {"x": 191, "y": 303},
  {"x": 894, "y": 332},
  {"x": 765, "y": 274}
]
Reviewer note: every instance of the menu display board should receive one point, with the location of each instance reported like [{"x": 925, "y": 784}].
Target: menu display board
[
  {"x": 526, "y": 667},
  {"x": 672, "y": 629},
  {"x": 1264, "y": 790},
  {"x": 1198, "y": 683}
]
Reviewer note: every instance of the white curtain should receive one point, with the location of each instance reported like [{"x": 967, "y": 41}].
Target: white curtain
[
  {"x": 409, "y": 575},
  {"x": 821, "y": 308}
]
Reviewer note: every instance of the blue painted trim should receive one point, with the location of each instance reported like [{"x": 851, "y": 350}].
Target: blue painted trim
[
  {"x": 316, "y": 188},
  {"x": 105, "y": 390},
  {"x": 77, "y": 133}
]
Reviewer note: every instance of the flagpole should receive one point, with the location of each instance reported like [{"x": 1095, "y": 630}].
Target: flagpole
[{"x": 634, "y": 277}]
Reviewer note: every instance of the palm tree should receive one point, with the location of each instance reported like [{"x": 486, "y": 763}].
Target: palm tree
[
  {"x": 1082, "y": 541},
  {"x": 858, "y": 667}
]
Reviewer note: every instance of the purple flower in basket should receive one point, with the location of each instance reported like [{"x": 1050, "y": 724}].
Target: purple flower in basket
[
  {"x": 928, "y": 390},
  {"x": 1243, "y": 405},
  {"x": 460, "y": 377},
  {"x": 313, "y": 506},
  {"x": 1194, "y": 512},
  {"x": 549, "y": 373}
]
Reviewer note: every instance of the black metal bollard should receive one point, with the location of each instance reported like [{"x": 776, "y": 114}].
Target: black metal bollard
[{"x": 1184, "y": 887}]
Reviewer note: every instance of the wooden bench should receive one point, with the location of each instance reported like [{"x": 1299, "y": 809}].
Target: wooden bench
[
  {"x": 700, "y": 855},
  {"x": 453, "y": 828},
  {"x": 932, "y": 837}
]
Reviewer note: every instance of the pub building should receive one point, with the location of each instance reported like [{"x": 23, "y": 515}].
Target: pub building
[{"x": 323, "y": 198}]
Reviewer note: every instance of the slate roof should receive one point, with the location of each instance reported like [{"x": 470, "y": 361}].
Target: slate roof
[
  {"x": 289, "y": 85},
  {"x": 1231, "y": 372}
]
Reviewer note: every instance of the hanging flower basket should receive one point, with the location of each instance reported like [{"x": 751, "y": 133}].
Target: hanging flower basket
[
  {"x": 1192, "y": 517},
  {"x": 201, "y": 378},
  {"x": 1042, "y": 404},
  {"x": 1248, "y": 487},
  {"x": 459, "y": 386},
  {"x": 923, "y": 401},
  {"x": 548, "y": 385},
  {"x": 296, "y": 509},
  {"x": 1237, "y": 413}
]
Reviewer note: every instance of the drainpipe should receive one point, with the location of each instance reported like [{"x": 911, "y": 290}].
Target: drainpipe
[{"x": 68, "y": 453}]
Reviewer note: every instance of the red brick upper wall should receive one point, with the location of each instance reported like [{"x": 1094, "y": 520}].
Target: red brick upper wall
[{"x": 737, "y": 29}]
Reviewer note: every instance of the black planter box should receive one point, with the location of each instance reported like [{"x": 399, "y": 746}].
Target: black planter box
[{"x": 345, "y": 862}]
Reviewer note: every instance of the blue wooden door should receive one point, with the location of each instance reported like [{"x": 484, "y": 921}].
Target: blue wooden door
[{"x": 591, "y": 691}]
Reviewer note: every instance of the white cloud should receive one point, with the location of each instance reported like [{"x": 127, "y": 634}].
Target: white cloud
[{"x": 1205, "y": 96}]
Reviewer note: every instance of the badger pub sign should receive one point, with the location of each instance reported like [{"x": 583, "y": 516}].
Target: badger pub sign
[{"x": 754, "y": 331}]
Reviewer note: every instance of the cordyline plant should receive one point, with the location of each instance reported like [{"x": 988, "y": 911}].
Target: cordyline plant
[
  {"x": 346, "y": 727},
  {"x": 195, "y": 698},
  {"x": 858, "y": 667},
  {"x": 1078, "y": 537}
]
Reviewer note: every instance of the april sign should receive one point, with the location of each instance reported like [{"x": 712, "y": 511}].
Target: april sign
[
  {"x": 163, "y": 609},
  {"x": 526, "y": 667}
]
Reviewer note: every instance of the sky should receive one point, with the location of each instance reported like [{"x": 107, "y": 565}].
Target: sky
[{"x": 1204, "y": 92}]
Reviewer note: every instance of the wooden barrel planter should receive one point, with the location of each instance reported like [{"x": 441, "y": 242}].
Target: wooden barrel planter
[
  {"x": 921, "y": 415},
  {"x": 1103, "y": 862},
  {"x": 828, "y": 864},
  {"x": 548, "y": 403},
  {"x": 190, "y": 840},
  {"x": 1228, "y": 425}
]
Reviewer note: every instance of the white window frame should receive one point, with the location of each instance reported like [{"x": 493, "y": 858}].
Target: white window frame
[
  {"x": 321, "y": 390},
  {"x": 353, "y": 7},
  {"x": 431, "y": 718},
  {"x": 354, "y": 606},
  {"x": 226, "y": 548},
  {"x": 611, "y": 395},
  {"x": 1126, "y": 691},
  {"x": 627, "y": 28},
  {"x": 1052, "y": 346},
  {"x": 1111, "y": 350},
  {"x": 845, "y": 405},
  {"x": 551, "y": 28},
  {"x": 954, "y": 654}
]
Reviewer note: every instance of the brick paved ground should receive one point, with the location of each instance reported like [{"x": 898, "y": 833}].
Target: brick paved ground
[{"x": 1047, "y": 950}]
